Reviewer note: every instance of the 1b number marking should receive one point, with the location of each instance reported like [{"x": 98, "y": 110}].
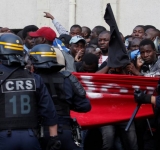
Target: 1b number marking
[{"x": 17, "y": 105}]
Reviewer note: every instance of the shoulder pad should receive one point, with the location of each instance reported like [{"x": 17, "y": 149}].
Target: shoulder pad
[
  {"x": 77, "y": 87},
  {"x": 66, "y": 73}
]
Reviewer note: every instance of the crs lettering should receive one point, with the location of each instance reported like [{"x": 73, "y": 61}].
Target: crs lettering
[{"x": 18, "y": 85}]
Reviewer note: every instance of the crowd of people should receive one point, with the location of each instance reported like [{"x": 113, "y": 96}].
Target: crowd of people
[{"x": 85, "y": 50}]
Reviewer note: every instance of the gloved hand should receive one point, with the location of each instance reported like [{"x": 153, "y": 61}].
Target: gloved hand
[
  {"x": 142, "y": 98},
  {"x": 54, "y": 143}
]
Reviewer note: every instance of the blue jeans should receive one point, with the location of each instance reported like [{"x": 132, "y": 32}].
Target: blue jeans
[
  {"x": 128, "y": 139},
  {"x": 19, "y": 140}
]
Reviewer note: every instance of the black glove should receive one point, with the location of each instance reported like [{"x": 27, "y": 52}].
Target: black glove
[
  {"x": 54, "y": 143},
  {"x": 142, "y": 98}
]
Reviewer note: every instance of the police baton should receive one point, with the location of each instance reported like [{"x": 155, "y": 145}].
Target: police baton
[
  {"x": 132, "y": 117},
  {"x": 134, "y": 113}
]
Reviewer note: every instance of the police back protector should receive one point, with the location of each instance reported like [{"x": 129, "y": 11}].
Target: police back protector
[
  {"x": 54, "y": 83},
  {"x": 18, "y": 104}
]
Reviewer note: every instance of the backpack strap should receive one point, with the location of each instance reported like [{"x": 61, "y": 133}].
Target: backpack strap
[{"x": 6, "y": 72}]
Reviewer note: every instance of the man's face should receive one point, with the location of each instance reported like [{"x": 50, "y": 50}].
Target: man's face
[
  {"x": 29, "y": 41},
  {"x": 103, "y": 41},
  {"x": 75, "y": 31},
  {"x": 148, "y": 54},
  {"x": 88, "y": 68},
  {"x": 38, "y": 40},
  {"x": 76, "y": 47},
  {"x": 138, "y": 32},
  {"x": 93, "y": 34},
  {"x": 84, "y": 32},
  {"x": 135, "y": 44},
  {"x": 149, "y": 34}
]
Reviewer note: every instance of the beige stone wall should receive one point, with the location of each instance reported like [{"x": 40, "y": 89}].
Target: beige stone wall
[{"x": 128, "y": 13}]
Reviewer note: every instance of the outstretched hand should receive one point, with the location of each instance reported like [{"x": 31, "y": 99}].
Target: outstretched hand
[{"x": 48, "y": 15}]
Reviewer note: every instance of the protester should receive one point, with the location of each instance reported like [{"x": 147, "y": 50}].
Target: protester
[
  {"x": 128, "y": 140},
  {"x": 96, "y": 31},
  {"x": 93, "y": 50},
  {"x": 150, "y": 66},
  {"x": 86, "y": 33},
  {"x": 135, "y": 44},
  {"x": 88, "y": 64},
  {"x": 65, "y": 38},
  {"x": 149, "y": 27},
  {"x": 28, "y": 40},
  {"x": 103, "y": 42},
  {"x": 62, "y": 42},
  {"x": 74, "y": 30},
  {"x": 77, "y": 47},
  {"x": 93, "y": 42},
  {"x": 151, "y": 34},
  {"x": 138, "y": 31},
  {"x": 46, "y": 35}
]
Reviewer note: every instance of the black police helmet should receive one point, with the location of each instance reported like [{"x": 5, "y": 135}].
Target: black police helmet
[
  {"x": 11, "y": 49},
  {"x": 43, "y": 56}
]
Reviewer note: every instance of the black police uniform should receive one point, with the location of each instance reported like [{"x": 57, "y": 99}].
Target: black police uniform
[
  {"x": 68, "y": 95},
  {"x": 157, "y": 118},
  {"x": 23, "y": 98},
  {"x": 66, "y": 91}
]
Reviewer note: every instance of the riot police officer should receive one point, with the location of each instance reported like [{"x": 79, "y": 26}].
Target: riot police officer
[
  {"x": 142, "y": 98},
  {"x": 67, "y": 93},
  {"x": 24, "y": 99}
]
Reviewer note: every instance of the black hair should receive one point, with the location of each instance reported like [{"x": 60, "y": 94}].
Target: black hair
[
  {"x": 147, "y": 42},
  {"x": 20, "y": 34},
  {"x": 141, "y": 26},
  {"x": 136, "y": 38},
  {"x": 29, "y": 28},
  {"x": 128, "y": 36},
  {"x": 65, "y": 38},
  {"x": 105, "y": 32},
  {"x": 76, "y": 26},
  {"x": 90, "y": 59},
  {"x": 149, "y": 27},
  {"x": 158, "y": 32},
  {"x": 89, "y": 46},
  {"x": 93, "y": 41},
  {"x": 99, "y": 29},
  {"x": 88, "y": 30}
]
